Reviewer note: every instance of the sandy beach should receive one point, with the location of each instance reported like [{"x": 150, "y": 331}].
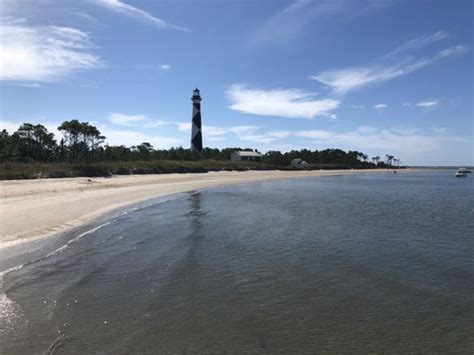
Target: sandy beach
[{"x": 31, "y": 209}]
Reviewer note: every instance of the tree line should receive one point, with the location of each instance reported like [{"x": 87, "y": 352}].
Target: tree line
[{"x": 84, "y": 143}]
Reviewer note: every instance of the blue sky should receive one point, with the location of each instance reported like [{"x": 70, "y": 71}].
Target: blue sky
[{"x": 375, "y": 76}]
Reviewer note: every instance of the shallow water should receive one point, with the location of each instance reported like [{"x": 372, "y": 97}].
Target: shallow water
[{"x": 373, "y": 263}]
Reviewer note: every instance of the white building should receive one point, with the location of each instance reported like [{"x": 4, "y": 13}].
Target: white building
[{"x": 246, "y": 156}]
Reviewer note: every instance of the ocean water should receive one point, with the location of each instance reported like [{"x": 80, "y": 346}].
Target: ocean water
[{"x": 353, "y": 264}]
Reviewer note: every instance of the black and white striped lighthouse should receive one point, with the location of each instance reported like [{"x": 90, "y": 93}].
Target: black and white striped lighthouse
[{"x": 196, "y": 135}]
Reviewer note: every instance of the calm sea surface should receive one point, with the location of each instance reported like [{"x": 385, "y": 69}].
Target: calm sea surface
[{"x": 372, "y": 263}]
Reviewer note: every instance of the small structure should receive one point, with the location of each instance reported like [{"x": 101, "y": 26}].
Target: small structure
[
  {"x": 299, "y": 164},
  {"x": 246, "y": 156}
]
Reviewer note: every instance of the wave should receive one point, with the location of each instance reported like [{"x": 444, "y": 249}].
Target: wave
[
  {"x": 75, "y": 239},
  {"x": 10, "y": 311}
]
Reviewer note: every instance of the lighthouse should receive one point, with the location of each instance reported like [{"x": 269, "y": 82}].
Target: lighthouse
[{"x": 196, "y": 135}]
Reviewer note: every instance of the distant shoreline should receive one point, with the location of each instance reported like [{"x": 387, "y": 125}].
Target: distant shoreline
[{"x": 32, "y": 209}]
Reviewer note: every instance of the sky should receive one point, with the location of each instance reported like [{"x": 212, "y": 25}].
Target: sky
[{"x": 378, "y": 76}]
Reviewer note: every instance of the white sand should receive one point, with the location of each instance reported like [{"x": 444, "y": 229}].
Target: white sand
[{"x": 31, "y": 209}]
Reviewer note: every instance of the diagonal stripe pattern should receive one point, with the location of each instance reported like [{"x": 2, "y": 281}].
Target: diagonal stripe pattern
[{"x": 196, "y": 135}]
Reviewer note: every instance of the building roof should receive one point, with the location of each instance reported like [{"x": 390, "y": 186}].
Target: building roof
[{"x": 248, "y": 154}]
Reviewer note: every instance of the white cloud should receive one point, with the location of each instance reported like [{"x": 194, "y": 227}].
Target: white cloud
[
  {"x": 9, "y": 126},
  {"x": 121, "y": 119},
  {"x": 155, "y": 123},
  {"x": 293, "y": 19},
  {"x": 43, "y": 53},
  {"x": 266, "y": 137},
  {"x": 85, "y": 16},
  {"x": 419, "y": 42},
  {"x": 380, "y": 106},
  {"x": 153, "y": 67},
  {"x": 130, "y": 138},
  {"x": 184, "y": 127},
  {"x": 427, "y": 104},
  {"x": 291, "y": 103},
  {"x": 279, "y": 134},
  {"x": 258, "y": 138},
  {"x": 139, "y": 14},
  {"x": 440, "y": 130},
  {"x": 344, "y": 80},
  {"x": 216, "y": 139},
  {"x": 214, "y": 132},
  {"x": 405, "y": 141},
  {"x": 314, "y": 134},
  {"x": 239, "y": 130},
  {"x": 459, "y": 49},
  {"x": 32, "y": 85}
]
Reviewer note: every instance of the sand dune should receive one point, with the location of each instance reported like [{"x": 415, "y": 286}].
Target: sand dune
[{"x": 36, "y": 208}]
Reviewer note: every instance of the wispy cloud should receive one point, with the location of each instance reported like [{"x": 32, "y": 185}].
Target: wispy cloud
[
  {"x": 85, "y": 16},
  {"x": 296, "y": 18},
  {"x": 121, "y": 119},
  {"x": 419, "y": 42},
  {"x": 459, "y": 49},
  {"x": 427, "y": 104},
  {"x": 291, "y": 103},
  {"x": 380, "y": 106},
  {"x": 293, "y": 19},
  {"x": 155, "y": 123},
  {"x": 153, "y": 67},
  {"x": 139, "y": 14},
  {"x": 43, "y": 53},
  {"x": 344, "y": 80}
]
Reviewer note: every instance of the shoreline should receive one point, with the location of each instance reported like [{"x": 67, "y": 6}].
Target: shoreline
[{"x": 36, "y": 209}]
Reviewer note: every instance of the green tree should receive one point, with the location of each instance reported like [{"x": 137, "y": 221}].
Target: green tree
[
  {"x": 34, "y": 142},
  {"x": 144, "y": 150},
  {"x": 71, "y": 131},
  {"x": 82, "y": 139},
  {"x": 389, "y": 159}
]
